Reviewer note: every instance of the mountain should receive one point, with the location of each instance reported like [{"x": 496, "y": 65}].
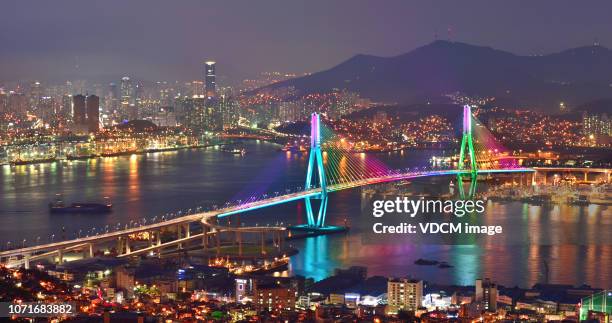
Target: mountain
[{"x": 573, "y": 76}]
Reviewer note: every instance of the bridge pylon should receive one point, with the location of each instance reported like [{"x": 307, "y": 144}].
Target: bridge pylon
[
  {"x": 315, "y": 164},
  {"x": 467, "y": 142}
]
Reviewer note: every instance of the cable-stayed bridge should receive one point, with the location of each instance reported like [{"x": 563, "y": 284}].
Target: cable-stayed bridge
[{"x": 332, "y": 167}]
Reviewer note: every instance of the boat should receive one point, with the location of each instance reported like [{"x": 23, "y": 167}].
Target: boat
[
  {"x": 234, "y": 150},
  {"x": 294, "y": 148},
  {"x": 80, "y": 157},
  {"x": 265, "y": 267},
  {"x": 444, "y": 265},
  {"x": 58, "y": 206},
  {"x": 274, "y": 266},
  {"x": 19, "y": 162},
  {"x": 539, "y": 199},
  {"x": 581, "y": 200},
  {"x": 426, "y": 262}
]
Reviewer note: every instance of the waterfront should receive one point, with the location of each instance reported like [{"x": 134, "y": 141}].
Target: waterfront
[{"x": 158, "y": 183}]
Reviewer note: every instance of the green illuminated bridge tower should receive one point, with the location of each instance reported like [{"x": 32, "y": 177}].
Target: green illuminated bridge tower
[{"x": 467, "y": 141}]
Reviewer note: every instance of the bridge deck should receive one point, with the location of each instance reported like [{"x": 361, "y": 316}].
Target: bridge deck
[{"x": 203, "y": 216}]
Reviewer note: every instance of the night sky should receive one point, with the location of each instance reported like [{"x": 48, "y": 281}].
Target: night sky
[{"x": 168, "y": 40}]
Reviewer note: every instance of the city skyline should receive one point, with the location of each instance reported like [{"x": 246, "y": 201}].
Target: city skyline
[
  {"x": 321, "y": 161},
  {"x": 172, "y": 41}
]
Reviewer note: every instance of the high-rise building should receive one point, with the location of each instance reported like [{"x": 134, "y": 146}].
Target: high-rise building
[
  {"x": 36, "y": 92},
  {"x": 93, "y": 113},
  {"x": 78, "y": 110},
  {"x": 127, "y": 96},
  {"x": 17, "y": 103},
  {"x": 66, "y": 106},
  {"x": 404, "y": 294},
  {"x": 596, "y": 124},
  {"x": 486, "y": 293},
  {"x": 197, "y": 89},
  {"x": 209, "y": 77},
  {"x": 229, "y": 112}
]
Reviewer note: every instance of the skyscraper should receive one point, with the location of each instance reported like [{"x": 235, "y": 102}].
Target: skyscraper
[
  {"x": 78, "y": 110},
  {"x": 209, "y": 77},
  {"x": 127, "y": 96},
  {"x": 93, "y": 113}
]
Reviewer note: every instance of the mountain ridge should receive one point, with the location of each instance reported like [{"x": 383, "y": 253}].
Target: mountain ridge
[{"x": 574, "y": 75}]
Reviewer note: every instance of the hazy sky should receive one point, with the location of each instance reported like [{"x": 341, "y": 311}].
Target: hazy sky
[{"x": 155, "y": 39}]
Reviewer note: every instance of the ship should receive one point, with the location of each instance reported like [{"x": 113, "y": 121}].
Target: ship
[
  {"x": 19, "y": 162},
  {"x": 581, "y": 200},
  {"x": 265, "y": 267},
  {"x": 271, "y": 267},
  {"x": 539, "y": 199},
  {"x": 426, "y": 262},
  {"x": 58, "y": 206},
  {"x": 233, "y": 150}
]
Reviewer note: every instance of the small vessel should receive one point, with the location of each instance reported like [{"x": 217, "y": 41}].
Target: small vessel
[
  {"x": 80, "y": 157},
  {"x": 539, "y": 199},
  {"x": 58, "y": 206},
  {"x": 581, "y": 200},
  {"x": 426, "y": 262},
  {"x": 444, "y": 265},
  {"x": 234, "y": 150},
  {"x": 294, "y": 148},
  {"x": 19, "y": 162}
]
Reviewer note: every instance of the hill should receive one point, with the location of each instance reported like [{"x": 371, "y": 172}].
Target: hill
[{"x": 574, "y": 76}]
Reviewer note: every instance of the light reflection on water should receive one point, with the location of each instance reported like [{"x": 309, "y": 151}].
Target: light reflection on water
[{"x": 155, "y": 184}]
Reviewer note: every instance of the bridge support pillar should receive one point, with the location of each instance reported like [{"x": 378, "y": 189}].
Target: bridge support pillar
[
  {"x": 127, "y": 245},
  {"x": 187, "y": 232},
  {"x": 204, "y": 236},
  {"x": 119, "y": 246},
  {"x": 60, "y": 257},
  {"x": 586, "y": 176},
  {"x": 179, "y": 234},
  {"x": 263, "y": 243},
  {"x": 218, "y": 240},
  {"x": 26, "y": 261},
  {"x": 89, "y": 252},
  {"x": 239, "y": 244},
  {"x": 315, "y": 161}
]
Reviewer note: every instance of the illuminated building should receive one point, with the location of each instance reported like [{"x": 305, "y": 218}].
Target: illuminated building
[
  {"x": 197, "y": 89},
  {"x": 597, "y": 306},
  {"x": 277, "y": 295},
  {"x": 596, "y": 124},
  {"x": 486, "y": 293},
  {"x": 209, "y": 76},
  {"x": 66, "y": 105},
  {"x": 35, "y": 94},
  {"x": 228, "y": 109},
  {"x": 404, "y": 294},
  {"x": 244, "y": 288},
  {"x": 127, "y": 97},
  {"x": 17, "y": 103},
  {"x": 93, "y": 113}
]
